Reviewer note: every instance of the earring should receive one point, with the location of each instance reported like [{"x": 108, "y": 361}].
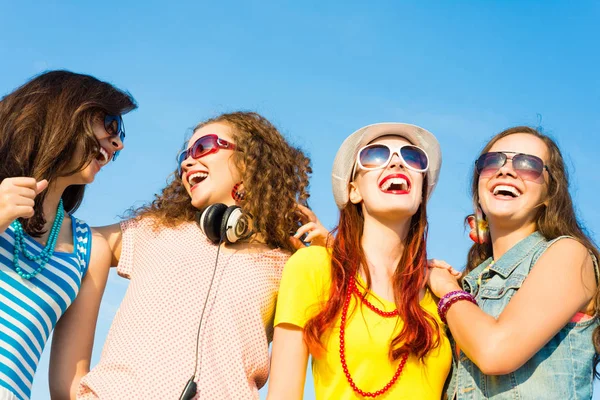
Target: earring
[
  {"x": 479, "y": 227},
  {"x": 238, "y": 192}
]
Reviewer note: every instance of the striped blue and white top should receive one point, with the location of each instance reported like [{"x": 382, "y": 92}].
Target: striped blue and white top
[{"x": 30, "y": 309}]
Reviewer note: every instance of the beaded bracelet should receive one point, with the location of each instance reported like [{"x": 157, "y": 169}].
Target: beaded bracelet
[
  {"x": 445, "y": 298},
  {"x": 448, "y": 295},
  {"x": 448, "y": 301}
]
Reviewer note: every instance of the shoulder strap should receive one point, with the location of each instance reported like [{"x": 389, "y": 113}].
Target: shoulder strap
[{"x": 83, "y": 244}]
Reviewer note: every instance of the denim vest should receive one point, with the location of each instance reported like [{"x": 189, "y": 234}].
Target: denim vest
[{"x": 562, "y": 369}]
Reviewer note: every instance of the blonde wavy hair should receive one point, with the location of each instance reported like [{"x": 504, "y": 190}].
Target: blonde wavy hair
[{"x": 275, "y": 176}]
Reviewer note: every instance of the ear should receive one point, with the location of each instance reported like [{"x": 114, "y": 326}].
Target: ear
[
  {"x": 238, "y": 192},
  {"x": 545, "y": 197},
  {"x": 237, "y": 169},
  {"x": 354, "y": 195}
]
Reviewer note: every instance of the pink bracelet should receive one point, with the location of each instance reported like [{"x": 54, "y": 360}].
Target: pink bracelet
[
  {"x": 445, "y": 299},
  {"x": 450, "y": 299},
  {"x": 448, "y": 295}
]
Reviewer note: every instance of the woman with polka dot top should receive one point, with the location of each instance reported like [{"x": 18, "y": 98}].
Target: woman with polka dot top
[{"x": 199, "y": 305}]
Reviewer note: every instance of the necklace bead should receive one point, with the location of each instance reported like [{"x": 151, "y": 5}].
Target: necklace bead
[
  {"x": 371, "y": 306},
  {"x": 44, "y": 256},
  {"x": 351, "y": 290}
]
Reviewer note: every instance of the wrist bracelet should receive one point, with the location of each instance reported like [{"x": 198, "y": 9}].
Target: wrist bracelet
[
  {"x": 447, "y": 297},
  {"x": 450, "y": 299}
]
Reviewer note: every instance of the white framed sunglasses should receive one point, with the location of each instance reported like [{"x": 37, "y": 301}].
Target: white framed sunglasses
[{"x": 378, "y": 155}]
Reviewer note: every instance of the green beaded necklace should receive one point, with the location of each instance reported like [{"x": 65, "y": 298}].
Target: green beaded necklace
[{"x": 45, "y": 255}]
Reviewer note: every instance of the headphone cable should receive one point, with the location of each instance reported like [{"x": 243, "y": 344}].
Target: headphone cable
[{"x": 189, "y": 391}]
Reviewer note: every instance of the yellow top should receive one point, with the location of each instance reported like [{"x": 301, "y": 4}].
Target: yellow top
[{"x": 305, "y": 287}]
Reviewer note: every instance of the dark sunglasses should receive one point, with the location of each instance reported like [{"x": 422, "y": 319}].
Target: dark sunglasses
[
  {"x": 375, "y": 156},
  {"x": 202, "y": 147},
  {"x": 113, "y": 125},
  {"x": 528, "y": 167}
]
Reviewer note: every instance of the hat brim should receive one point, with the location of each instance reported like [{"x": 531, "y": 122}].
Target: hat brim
[{"x": 346, "y": 155}]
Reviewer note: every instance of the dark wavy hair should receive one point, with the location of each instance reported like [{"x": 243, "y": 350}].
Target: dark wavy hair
[
  {"x": 43, "y": 122},
  {"x": 557, "y": 218},
  {"x": 420, "y": 331},
  {"x": 275, "y": 176}
]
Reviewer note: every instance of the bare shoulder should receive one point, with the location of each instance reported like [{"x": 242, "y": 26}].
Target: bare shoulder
[
  {"x": 97, "y": 236},
  {"x": 567, "y": 250},
  {"x": 100, "y": 248},
  {"x": 108, "y": 230},
  {"x": 568, "y": 260}
]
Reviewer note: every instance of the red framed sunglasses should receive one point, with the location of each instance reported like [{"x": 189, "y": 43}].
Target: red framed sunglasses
[{"x": 204, "y": 146}]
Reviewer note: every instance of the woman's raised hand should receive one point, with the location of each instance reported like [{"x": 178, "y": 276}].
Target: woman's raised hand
[
  {"x": 441, "y": 277},
  {"x": 316, "y": 233},
  {"x": 17, "y": 198}
]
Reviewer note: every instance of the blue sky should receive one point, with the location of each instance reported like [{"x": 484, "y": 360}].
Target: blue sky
[{"x": 464, "y": 70}]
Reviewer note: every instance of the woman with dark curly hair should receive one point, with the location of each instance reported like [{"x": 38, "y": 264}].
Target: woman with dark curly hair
[
  {"x": 189, "y": 311},
  {"x": 57, "y": 131}
]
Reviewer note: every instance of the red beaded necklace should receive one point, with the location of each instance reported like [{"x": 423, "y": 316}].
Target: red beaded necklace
[{"x": 388, "y": 314}]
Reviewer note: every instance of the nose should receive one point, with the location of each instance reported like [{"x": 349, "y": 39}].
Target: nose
[
  {"x": 395, "y": 161},
  {"x": 507, "y": 169},
  {"x": 116, "y": 143},
  {"x": 186, "y": 164}
]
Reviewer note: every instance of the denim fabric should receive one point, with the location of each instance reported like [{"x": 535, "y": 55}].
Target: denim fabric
[{"x": 562, "y": 369}]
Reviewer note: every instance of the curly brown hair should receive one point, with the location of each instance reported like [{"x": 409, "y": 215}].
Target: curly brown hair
[{"x": 275, "y": 176}]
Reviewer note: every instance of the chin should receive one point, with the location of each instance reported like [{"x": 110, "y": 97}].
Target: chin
[
  {"x": 510, "y": 216},
  {"x": 86, "y": 176},
  {"x": 199, "y": 202},
  {"x": 394, "y": 213},
  {"x": 84, "y": 180},
  {"x": 502, "y": 212},
  {"x": 403, "y": 208}
]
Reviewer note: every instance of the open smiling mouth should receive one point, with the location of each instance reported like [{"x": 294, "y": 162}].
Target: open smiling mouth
[
  {"x": 395, "y": 184},
  {"x": 103, "y": 156},
  {"x": 506, "y": 192},
  {"x": 196, "y": 177}
]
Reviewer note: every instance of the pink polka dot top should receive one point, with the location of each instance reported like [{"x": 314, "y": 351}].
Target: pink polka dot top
[{"x": 150, "y": 350}]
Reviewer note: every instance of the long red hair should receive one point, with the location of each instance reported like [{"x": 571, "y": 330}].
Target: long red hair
[{"x": 420, "y": 332}]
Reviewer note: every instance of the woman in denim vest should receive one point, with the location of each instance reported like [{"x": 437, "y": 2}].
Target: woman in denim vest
[{"x": 525, "y": 320}]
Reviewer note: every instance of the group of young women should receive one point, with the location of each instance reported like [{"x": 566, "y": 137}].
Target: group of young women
[{"x": 213, "y": 278}]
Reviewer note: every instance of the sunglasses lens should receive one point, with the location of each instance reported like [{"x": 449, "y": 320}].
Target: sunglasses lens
[
  {"x": 111, "y": 125},
  {"x": 203, "y": 146},
  {"x": 527, "y": 166},
  {"x": 414, "y": 157},
  {"x": 374, "y": 156},
  {"x": 489, "y": 163},
  {"x": 181, "y": 157}
]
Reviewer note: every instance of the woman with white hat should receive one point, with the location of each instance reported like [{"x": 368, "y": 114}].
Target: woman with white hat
[{"x": 362, "y": 308}]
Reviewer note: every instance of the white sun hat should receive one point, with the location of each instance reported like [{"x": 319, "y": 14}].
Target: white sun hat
[{"x": 346, "y": 155}]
